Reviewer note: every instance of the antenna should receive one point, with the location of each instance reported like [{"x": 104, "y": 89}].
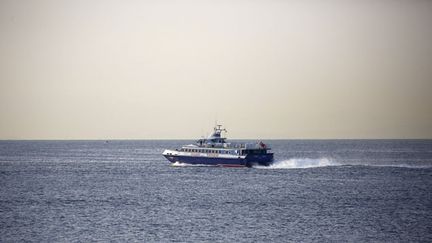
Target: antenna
[{"x": 216, "y": 119}]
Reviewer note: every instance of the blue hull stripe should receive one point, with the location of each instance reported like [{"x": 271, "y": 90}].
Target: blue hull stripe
[
  {"x": 205, "y": 161},
  {"x": 262, "y": 160}
]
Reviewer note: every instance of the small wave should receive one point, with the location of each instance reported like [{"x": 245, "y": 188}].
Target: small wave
[
  {"x": 295, "y": 163},
  {"x": 399, "y": 166}
]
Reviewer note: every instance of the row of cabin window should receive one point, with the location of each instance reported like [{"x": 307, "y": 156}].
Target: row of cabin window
[{"x": 206, "y": 151}]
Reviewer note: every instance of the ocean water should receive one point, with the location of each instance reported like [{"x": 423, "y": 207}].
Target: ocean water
[{"x": 316, "y": 191}]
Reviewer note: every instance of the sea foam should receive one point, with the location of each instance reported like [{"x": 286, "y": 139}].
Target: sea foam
[{"x": 295, "y": 163}]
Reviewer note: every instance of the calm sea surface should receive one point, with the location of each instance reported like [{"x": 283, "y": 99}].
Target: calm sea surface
[{"x": 317, "y": 191}]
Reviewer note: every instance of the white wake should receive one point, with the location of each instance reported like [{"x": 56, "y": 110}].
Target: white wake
[
  {"x": 300, "y": 163},
  {"x": 295, "y": 163},
  {"x": 179, "y": 164}
]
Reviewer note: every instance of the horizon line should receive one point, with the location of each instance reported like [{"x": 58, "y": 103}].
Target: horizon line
[{"x": 182, "y": 139}]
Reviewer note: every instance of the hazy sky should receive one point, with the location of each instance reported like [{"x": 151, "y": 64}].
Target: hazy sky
[{"x": 168, "y": 69}]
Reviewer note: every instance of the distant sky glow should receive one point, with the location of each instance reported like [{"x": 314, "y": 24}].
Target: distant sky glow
[{"x": 168, "y": 69}]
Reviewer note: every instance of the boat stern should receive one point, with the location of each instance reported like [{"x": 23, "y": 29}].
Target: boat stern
[{"x": 260, "y": 159}]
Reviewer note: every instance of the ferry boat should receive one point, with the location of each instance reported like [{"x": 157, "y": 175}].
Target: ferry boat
[{"x": 216, "y": 151}]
